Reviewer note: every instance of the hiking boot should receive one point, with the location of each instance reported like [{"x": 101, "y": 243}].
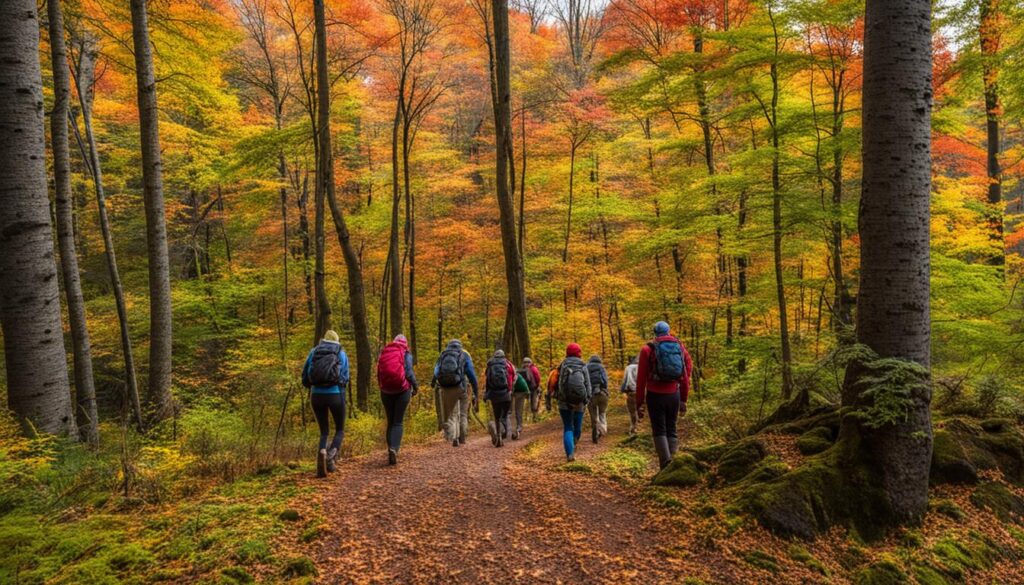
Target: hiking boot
[
  {"x": 595, "y": 436},
  {"x": 570, "y": 458},
  {"x": 321, "y": 463},
  {"x": 392, "y": 457},
  {"x": 456, "y": 443},
  {"x": 515, "y": 436},
  {"x": 462, "y": 440},
  {"x": 661, "y": 447},
  {"x": 332, "y": 459}
]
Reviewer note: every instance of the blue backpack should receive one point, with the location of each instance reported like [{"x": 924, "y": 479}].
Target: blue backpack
[{"x": 667, "y": 361}]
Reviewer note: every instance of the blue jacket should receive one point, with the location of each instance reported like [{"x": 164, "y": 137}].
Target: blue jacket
[
  {"x": 343, "y": 372},
  {"x": 467, "y": 370}
]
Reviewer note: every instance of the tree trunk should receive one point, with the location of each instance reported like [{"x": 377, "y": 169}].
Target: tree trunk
[
  {"x": 159, "y": 391},
  {"x": 325, "y": 174},
  {"x": 37, "y": 372},
  {"x": 893, "y": 302},
  {"x": 395, "y": 281},
  {"x": 84, "y": 77},
  {"x": 506, "y": 207},
  {"x": 410, "y": 226},
  {"x": 990, "y": 32},
  {"x": 568, "y": 215},
  {"x": 85, "y": 387}
]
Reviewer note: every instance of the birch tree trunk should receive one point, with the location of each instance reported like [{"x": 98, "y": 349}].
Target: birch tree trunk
[{"x": 37, "y": 372}]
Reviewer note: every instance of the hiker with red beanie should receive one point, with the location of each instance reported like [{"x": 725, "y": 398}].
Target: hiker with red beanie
[
  {"x": 398, "y": 385},
  {"x": 572, "y": 392},
  {"x": 663, "y": 385}
]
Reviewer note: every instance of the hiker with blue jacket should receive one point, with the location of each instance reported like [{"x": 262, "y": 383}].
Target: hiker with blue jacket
[
  {"x": 453, "y": 374},
  {"x": 572, "y": 393},
  {"x": 662, "y": 386},
  {"x": 598, "y": 405},
  {"x": 326, "y": 374}
]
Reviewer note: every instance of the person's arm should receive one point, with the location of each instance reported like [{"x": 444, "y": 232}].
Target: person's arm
[
  {"x": 343, "y": 370},
  {"x": 471, "y": 375},
  {"x": 684, "y": 381},
  {"x": 641, "y": 375},
  {"x": 604, "y": 378},
  {"x": 410, "y": 374}
]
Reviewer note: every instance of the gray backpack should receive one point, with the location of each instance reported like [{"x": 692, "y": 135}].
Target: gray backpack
[{"x": 575, "y": 390}]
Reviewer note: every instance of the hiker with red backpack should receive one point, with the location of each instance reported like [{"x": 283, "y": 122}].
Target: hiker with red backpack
[
  {"x": 398, "y": 385},
  {"x": 453, "y": 373},
  {"x": 663, "y": 386},
  {"x": 326, "y": 374},
  {"x": 499, "y": 379},
  {"x": 572, "y": 392}
]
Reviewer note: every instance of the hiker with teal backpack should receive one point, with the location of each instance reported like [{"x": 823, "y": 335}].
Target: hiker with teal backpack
[
  {"x": 499, "y": 379},
  {"x": 398, "y": 385},
  {"x": 598, "y": 405},
  {"x": 453, "y": 374},
  {"x": 326, "y": 374},
  {"x": 520, "y": 395},
  {"x": 572, "y": 393},
  {"x": 663, "y": 386}
]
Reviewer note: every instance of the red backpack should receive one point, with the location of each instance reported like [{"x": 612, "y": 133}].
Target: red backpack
[{"x": 391, "y": 369}]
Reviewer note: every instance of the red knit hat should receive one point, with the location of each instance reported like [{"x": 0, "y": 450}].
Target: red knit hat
[{"x": 573, "y": 350}]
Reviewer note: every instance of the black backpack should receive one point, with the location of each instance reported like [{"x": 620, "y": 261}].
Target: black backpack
[
  {"x": 449, "y": 368},
  {"x": 575, "y": 389},
  {"x": 323, "y": 371},
  {"x": 497, "y": 375},
  {"x": 598, "y": 378}
]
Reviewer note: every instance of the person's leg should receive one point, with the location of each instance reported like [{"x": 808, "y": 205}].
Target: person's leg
[
  {"x": 534, "y": 404},
  {"x": 594, "y": 425},
  {"x": 319, "y": 403},
  {"x": 398, "y": 420},
  {"x": 567, "y": 433},
  {"x": 671, "y": 418},
  {"x": 337, "y": 406},
  {"x": 388, "y": 401},
  {"x": 519, "y": 404},
  {"x": 506, "y": 411},
  {"x": 602, "y": 413},
  {"x": 656, "y": 408},
  {"x": 577, "y": 424},
  {"x": 449, "y": 405},
  {"x": 464, "y": 405},
  {"x": 631, "y": 407}
]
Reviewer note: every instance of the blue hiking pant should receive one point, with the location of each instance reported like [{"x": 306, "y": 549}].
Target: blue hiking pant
[
  {"x": 329, "y": 405},
  {"x": 394, "y": 410},
  {"x": 572, "y": 428}
]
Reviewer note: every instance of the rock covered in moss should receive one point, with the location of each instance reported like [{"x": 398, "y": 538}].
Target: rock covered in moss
[
  {"x": 950, "y": 463},
  {"x": 740, "y": 459},
  {"x": 816, "y": 440},
  {"x": 995, "y": 497},
  {"x": 963, "y": 447},
  {"x": 883, "y": 572},
  {"x": 683, "y": 471}
]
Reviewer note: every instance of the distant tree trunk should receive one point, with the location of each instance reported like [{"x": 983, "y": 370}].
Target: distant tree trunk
[
  {"x": 990, "y": 31},
  {"x": 568, "y": 215},
  {"x": 842, "y": 301},
  {"x": 893, "y": 302},
  {"x": 395, "y": 300},
  {"x": 37, "y": 372},
  {"x": 84, "y": 72},
  {"x": 410, "y": 225},
  {"x": 325, "y": 174},
  {"x": 159, "y": 391},
  {"x": 302, "y": 203},
  {"x": 522, "y": 186},
  {"x": 780, "y": 289},
  {"x": 85, "y": 387},
  {"x": 506, "y": 207}
]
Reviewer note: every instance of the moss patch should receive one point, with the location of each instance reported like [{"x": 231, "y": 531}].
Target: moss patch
[
  {"x": 740, "y": 460},
  {"x": 999, "y": 500},
  {"x": 761, "y": 560},
  {"x": 816, "y": 440},
  {"x": 683, "y": 471},
  {"x": 805, "y": 558},
  {"x": 883, "y": 572}
]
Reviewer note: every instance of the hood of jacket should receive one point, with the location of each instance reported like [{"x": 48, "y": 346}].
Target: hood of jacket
[{"x": 595, "y": 359}]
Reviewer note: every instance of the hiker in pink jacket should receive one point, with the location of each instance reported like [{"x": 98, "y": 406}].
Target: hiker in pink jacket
[{"x": 398, "y": 385}]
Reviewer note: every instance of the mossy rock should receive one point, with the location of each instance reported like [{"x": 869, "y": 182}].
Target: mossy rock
[
  {"x": 740, "y": 460},
  {"x": 761, "y": 560},
  {"x": 926, "y": 574},
  {"x": 767, "y": 470},
  {"x": 827, "y": 416},
  {"x": 798, "y": 503},
  {"x": 683, "y": 471},
  {"x": 956, "y": 555},
  {"x": 950, "y": 463},
  {"x": 289, "y": 515},
  {"x": 805, "y": 558},
  {"x": 883, "y": 572},
  {"x": 710, "y": 453},
  {"x": 949, "y": 509},
  {"x": 963, "y": 446},
  {"x": 998, "y": 499},
  {"x": 816, "y": 440},
  {"x": 236, "y": 575},
  {"x": 299, "y": 567}
]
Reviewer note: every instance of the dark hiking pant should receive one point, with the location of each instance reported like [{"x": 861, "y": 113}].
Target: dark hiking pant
[
  {"x": 394, "y": 410},
  {"x": 663, "y": 410},
  {"x": 333, "y": 406}
]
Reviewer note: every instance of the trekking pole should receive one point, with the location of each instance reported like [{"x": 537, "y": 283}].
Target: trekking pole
[{"x": 476, "y": 417}]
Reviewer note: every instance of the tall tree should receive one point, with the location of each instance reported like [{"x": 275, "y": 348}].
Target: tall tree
[
  {"x": 159, "y": 390},
  {"x": 990, "y": 33},
  {"x": 38, "y": 390},
  {"x": 86, "y": 50},
  {"x": 514, "y": 274},
  {"x": 893, "y": 316},
  {"x": 85, "y": 387},
  {"x": 325, "y": 175}
]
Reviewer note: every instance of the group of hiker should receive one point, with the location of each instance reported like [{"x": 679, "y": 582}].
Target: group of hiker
[{"x": 656, "y": 384}]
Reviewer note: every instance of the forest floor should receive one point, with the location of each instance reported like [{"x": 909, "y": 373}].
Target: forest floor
[{"x": 516, "y": 514}]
